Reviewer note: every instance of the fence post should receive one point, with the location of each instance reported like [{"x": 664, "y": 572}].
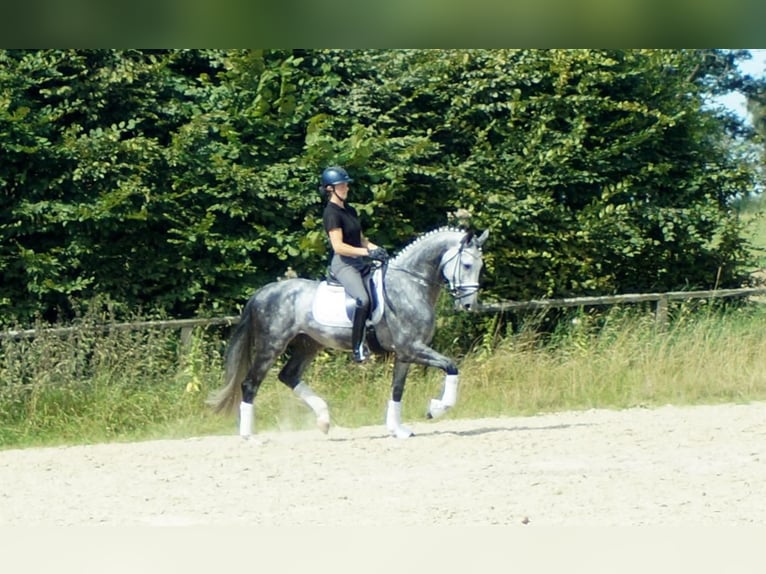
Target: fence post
[
  {"x": 186, "y": 360},
  {"x": 185, "y": 347},
  {"x": 661, "y": 311},
  {"x": 186, "y": 339}
]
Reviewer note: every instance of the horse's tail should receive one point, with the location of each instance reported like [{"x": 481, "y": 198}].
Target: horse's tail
[{"x": 237, "y": 363}]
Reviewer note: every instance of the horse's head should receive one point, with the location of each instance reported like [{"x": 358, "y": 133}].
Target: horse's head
[{"x": 461, "y": 266}]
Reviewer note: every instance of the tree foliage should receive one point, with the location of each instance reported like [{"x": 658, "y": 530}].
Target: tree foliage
[{"x": 181, "y": 180}]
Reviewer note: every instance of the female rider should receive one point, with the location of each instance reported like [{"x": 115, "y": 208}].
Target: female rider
[{"x": 349, "y": 247}]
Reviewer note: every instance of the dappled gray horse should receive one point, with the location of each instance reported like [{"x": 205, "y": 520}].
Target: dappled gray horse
[{"x": 285, "y": 316}]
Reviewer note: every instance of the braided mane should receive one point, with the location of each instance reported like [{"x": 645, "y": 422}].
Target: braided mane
[{"x": 421, "y": 238}]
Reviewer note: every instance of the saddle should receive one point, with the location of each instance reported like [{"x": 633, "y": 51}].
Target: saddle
[{"x": 334, "y": 307}]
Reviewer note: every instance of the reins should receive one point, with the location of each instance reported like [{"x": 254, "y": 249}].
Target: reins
[
  {"x": 386, "y": 298},
  {"x": 422, "y": 279}
]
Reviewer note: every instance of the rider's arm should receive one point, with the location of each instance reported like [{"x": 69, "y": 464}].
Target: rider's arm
[
  {"x": 341, "y": 248},
  {"x": 366, "y": 243}
]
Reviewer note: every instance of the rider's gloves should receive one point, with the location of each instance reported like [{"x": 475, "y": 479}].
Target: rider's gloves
[{"x": 378, "y": 254}]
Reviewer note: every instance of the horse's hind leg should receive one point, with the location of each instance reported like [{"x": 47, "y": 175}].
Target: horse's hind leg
[
  {"x": 302, "y": 350},
  {"x": 251, "y": 384}
]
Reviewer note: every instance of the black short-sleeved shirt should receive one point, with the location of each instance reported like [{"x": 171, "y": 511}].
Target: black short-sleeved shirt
[{"x": 345, "y": 219}]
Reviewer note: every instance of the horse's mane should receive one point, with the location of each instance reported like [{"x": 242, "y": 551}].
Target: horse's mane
[{"x": 419, "y": 239}]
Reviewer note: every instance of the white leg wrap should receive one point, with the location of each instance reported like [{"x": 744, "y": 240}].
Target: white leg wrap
[
  {"x": 394, "y": 421},
  {"x": 317, "y": 404},
  {"x": 245, "y": 419},
  {"x": 438, "y": 407},
  {"x": 449, "y": 397}
]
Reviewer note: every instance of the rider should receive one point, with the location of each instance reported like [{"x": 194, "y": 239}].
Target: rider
[{"x": 349, "y": 247}]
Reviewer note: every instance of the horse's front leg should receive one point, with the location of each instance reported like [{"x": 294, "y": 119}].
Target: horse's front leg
[
  {"x": 425, "y": 355},
  {"x": 394, "y": 412},
  {"x": 437, "y": 407}
]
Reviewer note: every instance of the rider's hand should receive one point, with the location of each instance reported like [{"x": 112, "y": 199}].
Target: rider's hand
[{"x": 378, "y": 254}]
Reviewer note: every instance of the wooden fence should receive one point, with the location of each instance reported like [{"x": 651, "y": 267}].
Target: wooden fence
[
  {"x": 662, "y": 300},
  {"x": 185, "y": 325}
]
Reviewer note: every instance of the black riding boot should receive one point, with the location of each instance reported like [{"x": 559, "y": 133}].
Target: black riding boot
[{"x": 361, "y": 352}]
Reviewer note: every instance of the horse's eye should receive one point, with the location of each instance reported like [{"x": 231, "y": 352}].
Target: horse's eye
[{"x": 467, "y": 266}]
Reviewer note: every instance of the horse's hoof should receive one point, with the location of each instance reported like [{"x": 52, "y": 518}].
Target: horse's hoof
[
  {"x": 324, "y": 425},
  {"x": 401, "y": 432},
  {"x": 436, "y": 409}
]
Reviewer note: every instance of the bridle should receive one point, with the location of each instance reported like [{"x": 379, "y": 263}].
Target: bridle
[{"x": 455, "y": 285}]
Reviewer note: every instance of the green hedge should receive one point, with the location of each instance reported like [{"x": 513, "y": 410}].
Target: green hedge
[{"x": 179, "y": 181}]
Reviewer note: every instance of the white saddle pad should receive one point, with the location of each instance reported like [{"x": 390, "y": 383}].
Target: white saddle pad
[{"x": 329, "y": 306}]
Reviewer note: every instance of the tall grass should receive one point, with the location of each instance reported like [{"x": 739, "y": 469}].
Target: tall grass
[
  {"x": 95, "y": 385},
  {"x": 621, "y": 359},
  {"x": 89, "y": 386}
]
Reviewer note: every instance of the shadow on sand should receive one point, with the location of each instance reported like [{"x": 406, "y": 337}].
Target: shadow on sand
[{"x": 468, "y": 432}]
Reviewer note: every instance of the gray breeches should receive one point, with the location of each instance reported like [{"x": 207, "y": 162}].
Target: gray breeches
[{"x": 351, "y": 279}]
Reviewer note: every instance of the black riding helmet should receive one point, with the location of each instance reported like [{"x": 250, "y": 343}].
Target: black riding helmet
[{"x": 333, "y": 176}]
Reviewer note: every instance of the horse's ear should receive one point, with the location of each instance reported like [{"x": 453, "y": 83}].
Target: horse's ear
[{"x": 482, "y": 238}]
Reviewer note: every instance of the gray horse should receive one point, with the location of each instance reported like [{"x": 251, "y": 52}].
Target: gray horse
[{"x": 292, "y": 315}]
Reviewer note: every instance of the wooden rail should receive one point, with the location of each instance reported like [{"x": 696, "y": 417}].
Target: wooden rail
[
  {"x": 662, "y": 299},
  {"x": 183, "y": 324}
]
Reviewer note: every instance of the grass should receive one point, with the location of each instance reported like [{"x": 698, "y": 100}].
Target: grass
[
  {"x": 621, "y": 360},
  {"x": 119, "y": 386}
]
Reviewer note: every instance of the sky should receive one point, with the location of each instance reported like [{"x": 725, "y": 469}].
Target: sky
[{"x": 756, "y": 67}]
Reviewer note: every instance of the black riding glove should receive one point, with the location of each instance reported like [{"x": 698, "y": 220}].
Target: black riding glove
[{"x": 378, "y": 254}]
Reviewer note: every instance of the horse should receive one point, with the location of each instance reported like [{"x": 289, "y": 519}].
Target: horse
[{"x": 283, "y": 316}]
